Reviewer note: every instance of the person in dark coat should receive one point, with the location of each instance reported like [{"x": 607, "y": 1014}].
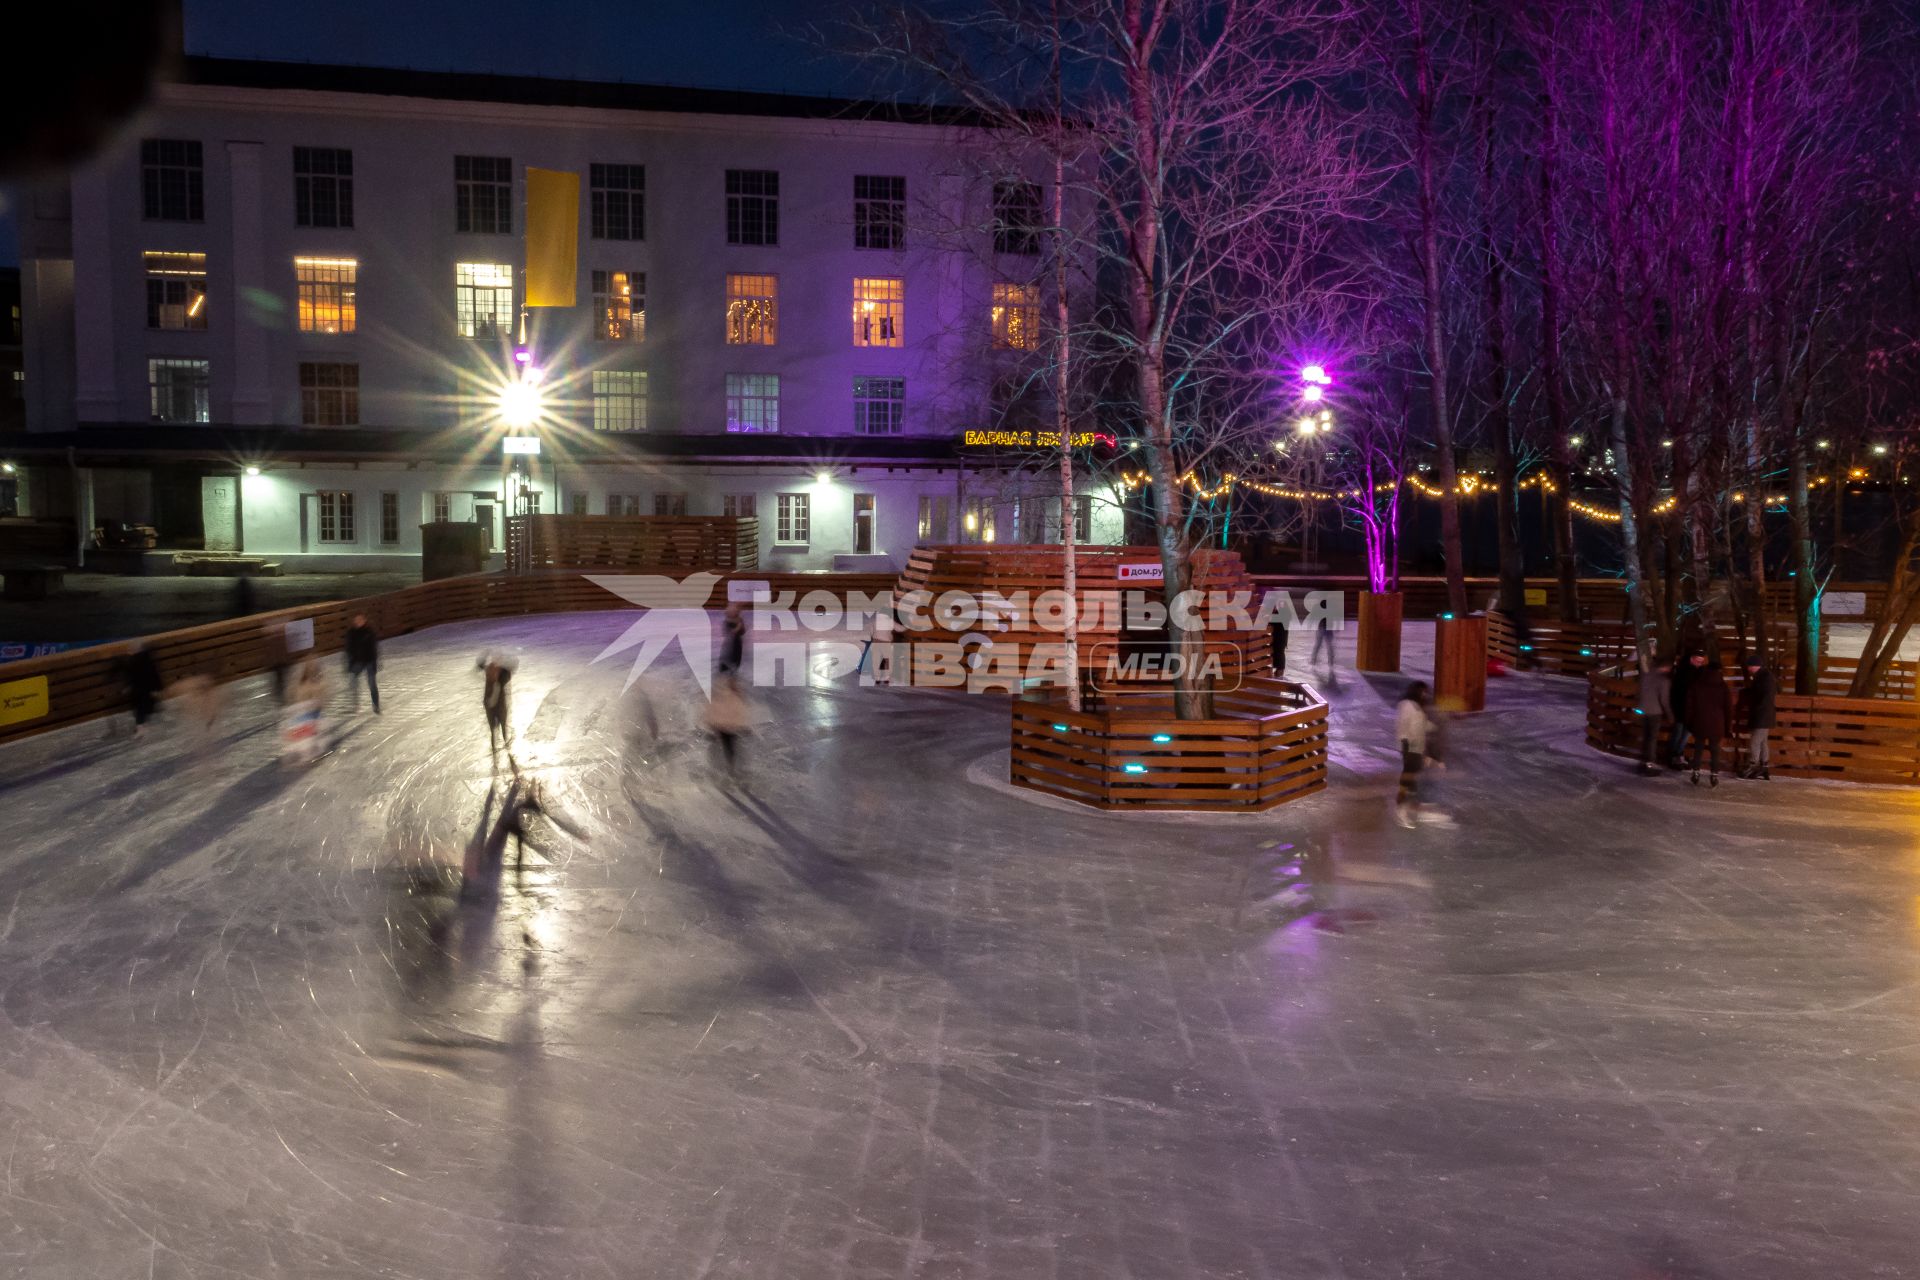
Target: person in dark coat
[
  {"x": 143, "y": 687},
  {"x": 1758, "y": 712},
  {"x": 733, "y": 640},
  {"x": 493, "y": 697},
  {"x": 1685, "y": 671},
  {"x": 1655, "y": 707},
  {"x": 1709, "y": 716},
  {"x": 363, "y": 660}
]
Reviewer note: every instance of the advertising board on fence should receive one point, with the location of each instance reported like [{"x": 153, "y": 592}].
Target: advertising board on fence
[
  {"x": 1142, "y": 573},
  {"x": 23, "y": 700},
  {"x": 300, "y": 635}
]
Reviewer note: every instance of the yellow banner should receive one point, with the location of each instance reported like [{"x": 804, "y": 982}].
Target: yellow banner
[
  {"x": 23, "y": 700},
  {"x": 553, "y": 237}
]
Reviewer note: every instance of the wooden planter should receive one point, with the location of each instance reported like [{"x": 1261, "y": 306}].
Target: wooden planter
[
  {"x": 1460, "y": 662},
  {"x": 1265, "y": 745},
  {"x": 1379, "y": 648}
]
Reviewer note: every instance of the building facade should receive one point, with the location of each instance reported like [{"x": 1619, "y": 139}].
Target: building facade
[{"x": 285, "y": 315}]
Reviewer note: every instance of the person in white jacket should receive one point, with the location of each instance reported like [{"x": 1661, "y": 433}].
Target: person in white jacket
[{"x": 1410, "y": 731}]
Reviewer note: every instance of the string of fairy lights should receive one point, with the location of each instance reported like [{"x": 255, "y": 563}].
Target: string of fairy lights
[{"x": 1465, "y": 486}]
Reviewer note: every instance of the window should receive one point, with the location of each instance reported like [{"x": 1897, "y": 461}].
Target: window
[
  {"x": 576, "y": 503},
  {"x": 623, "y": 504},
  {"x": 753, "y": 311},
  {"x": 389, "y": 516},
  {"x": 753, "y": 402},
  {"x": 936, "y": 516},
  {"x": 738, "y": 505},
  {"x": 329, "y": 394},
  {"x": 790, "y": 529},
  {"x": 326, "y": 287},
  {"x": 619, "y": 400},
  {"x": 178, "y": 389},
  {"x": 977, "y": 525},
  {"x": 322, "y": 187},
  {"x": 1016, "y": 316},
  {"x": 879, "y": 311},
  {"x": 618, "y": 196},
  {"x": 171, "y": 181},
  {"x": 1083, "y": 518},
  {"x": 176, "y": 290},
  {"x": 753, "y": 206},
  {"x": 1030, "y": 519},
  {"x": 879, "y": 212},
  {"x": 336, "y": 515},
  {"x": 442, "y": 507},
  {"x": 669, "y": 504},
  {"x": 1016, "y": 217},
  {"x": 483, "y": 299},
  {"x": 863, "y": 516},
  {"x": 483, "y": 194},
  {"x": 877, "y": 405},
  {"x": 620, "y": 303}
]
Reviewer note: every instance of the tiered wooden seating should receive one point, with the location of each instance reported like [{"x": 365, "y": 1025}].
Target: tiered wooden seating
[{"x": 633, "y": 543}]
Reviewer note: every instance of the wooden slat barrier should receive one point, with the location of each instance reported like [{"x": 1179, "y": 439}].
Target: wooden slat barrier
[
  {"x": 1576, "y": 649},
  {"x": 1601, "y": 599},
  {"x": 633, "y": 542},
  {"x": 1843, "y": 739},
  {"x": 1266, "y": 745},
  {"x": 983, "y": 572},
  {"x": 87, "y": 683}
]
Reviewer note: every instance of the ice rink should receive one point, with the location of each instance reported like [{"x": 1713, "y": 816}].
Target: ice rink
[{"x": 870, "y": 1013}]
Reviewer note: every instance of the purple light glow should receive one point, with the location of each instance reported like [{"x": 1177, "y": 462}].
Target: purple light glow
[
  {"x": 1313, "y": 391},
  {"x": 523, "y": 355},
  {"x": 1316, "y": 374}
]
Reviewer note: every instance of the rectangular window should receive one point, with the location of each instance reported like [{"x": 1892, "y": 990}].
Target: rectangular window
[
  {"x": 327, "y": 291},
  {"x": 322, "y": 187},
  {"x": 877, "y": 405},
  {"x": 171, "y": 181},
  {"x": 863, "y": 530},
  {"x": 336, "y": 515},
  {"x": 738, "y": 505},
  {"x": 329, "y": 394},
  {"x": 1016, "y": 316},
  {"x": 1016, "y": 217},
  {"x": 879, "y": 311},
  {"x": 619, "y": 400},
  {"x": 753, "y": 206},
  {"x": 977, "y": 524},
  {"x": 753, "y": 402},
  {"x": 618, "y": 200},
  {"x": 178, "y": 389},
  {"x": 790, "y": 529},
  {"x": 1083, "y": 518},
  {"x": 936, "y": 518},
  {"x": 623, "y": 504},
  {"x": 442, "y": 507},
  {"x": 879, "y": 211},
  {"x": 620, "y": 306},
  {"x": 753, "y": 311},
  {"x": 483, "y": 194},
  {"x": 389, "y": 517},
  {"x": 176, "y": 290},
  {"x": 669, "y": 504},
  {"x": 483, "y": 299},
  {"x": 576, "y": 503}
]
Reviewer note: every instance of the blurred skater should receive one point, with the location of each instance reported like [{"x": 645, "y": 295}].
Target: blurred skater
[
  {"x": 1758, "y": 711},
  {"x": 243, "y": 599},
  {"x": 143, "y": 687},
  {"x": 729, "y": 717},
  {"x": 363, "y": 660},
  {"x": 493, "y": 697},
  {"x": 733, "y": 639},
  {"x": 1439, "y": 732},
  {"x": 1655, "y": 707},
  {"x": 1410, "y": 731},
  {"x": 1709, "y": 716},
  {"x": 273, "y": 651},
  {"x": 1323, "y": 645},
  {"x": 1685, "y": 672}
]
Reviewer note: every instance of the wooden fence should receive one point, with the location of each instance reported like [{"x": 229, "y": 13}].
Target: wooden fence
[
  {"x": 724, "y": 543},
  {"x": 88, "y": 683},
  {"x": 1845, "y": 739},
  {"x": 1601, "y": 599},
  {"x": 1265, "y": 745}
]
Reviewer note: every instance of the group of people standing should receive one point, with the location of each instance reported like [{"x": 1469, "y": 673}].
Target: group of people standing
[{"x": 1693, "y": 700}]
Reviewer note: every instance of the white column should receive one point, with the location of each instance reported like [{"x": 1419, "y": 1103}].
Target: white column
[{"x": 252, "y": 403}]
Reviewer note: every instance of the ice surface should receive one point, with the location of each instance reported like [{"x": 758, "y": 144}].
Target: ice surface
[{"x": 870, "y": 1014}]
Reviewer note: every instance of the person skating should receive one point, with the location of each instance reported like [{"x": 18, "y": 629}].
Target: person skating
[
  {"x": 1709, "y": 716},
  {"x": 1685, "y": 672},
  {"x": 733, "y": 639},
  {"x": 1757, "y": 703},
  {"x": 728, "y": 717},
  {"x": 1655, "y": 707},
  {"x": 363, "y": 660},
  {"x": 493, "y": 697},
  {"x": 1410, "y": 731},
  {"x": 143, "y": 687}
]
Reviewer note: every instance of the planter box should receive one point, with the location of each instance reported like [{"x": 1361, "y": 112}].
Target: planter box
[
  {"x": 1460, "y": 662},
  {"x": 1379, "y": 647}
]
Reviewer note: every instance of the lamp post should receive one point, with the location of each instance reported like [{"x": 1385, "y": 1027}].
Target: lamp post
[{"x": 1314, "y": 422}]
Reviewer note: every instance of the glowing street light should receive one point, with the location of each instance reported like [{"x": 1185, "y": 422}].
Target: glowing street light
[
  {"x": 1312, "y": 391},
  {"x": 521, "y": 403},
  {"x": 1315, "y": 375},
  {"x": 1880, "y": 451}
]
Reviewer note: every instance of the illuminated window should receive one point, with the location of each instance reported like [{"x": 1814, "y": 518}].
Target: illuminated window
[
  {"x": 753, "y": 206},
  {"x": 1016, "y": 217},
  {"x": 389, "y": 516},
  {"x": 326, "y": 294},
  {"x": 177, "y": 389},
  {"x": 879, "y": 311},
  {"x": 619, "y": 401},
  {"x": 738, "y": 505},
  {"x": 322, "y": 187},
  {"x": 669, "y": 504},
  {"x": 483, "y": 194},
  {"x": 329, "y": 394},
  {"x": 1016, "y": 316},
  {"x": 171, "y": 181},
  {"x": 618, "y": 200},
  {"x": 791, "y": 525},
  {"x": 879, "y": 211},
  {"x": 977, "y": 524},
  {"x": 623, "y": 504},
  {"x": 753, "y": 402},
  {"x": 176, "y": 290},
  {"x": 936, "y": 517},
  {"x": 483, "y": 299},
  {"x": 753, "y": 311},
  {"x": 620, "y": 306},
  {"x": 877, "y": 405},
  {"x": 336, "y": 515},
  {"x": 1083, "y": 518}
]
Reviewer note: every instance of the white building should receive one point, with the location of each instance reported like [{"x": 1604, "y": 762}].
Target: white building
[{"x": 277, "y": 317}]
